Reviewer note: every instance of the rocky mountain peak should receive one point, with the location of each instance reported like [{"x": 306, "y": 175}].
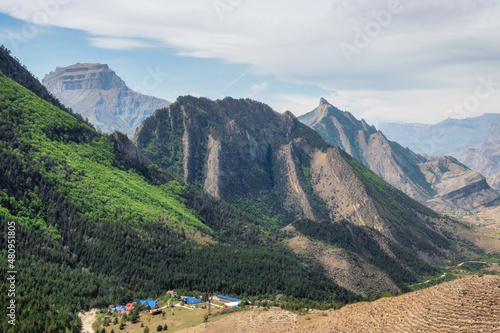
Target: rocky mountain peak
[
  {"x": 82, "y": 76},
  {"x": 323, "y": 101},
  {"x": 99, "y": 94}
]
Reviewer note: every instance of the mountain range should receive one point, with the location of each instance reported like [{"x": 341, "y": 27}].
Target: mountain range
[
  {"x": 99, "y": 95},
  {"x": 472, "y": 141},
  {"x": 443, "y": 183},
  {"x": 97, "y": 224},
  {"x": 210, "y": 196},
  {"x": 280, "y": 171}
]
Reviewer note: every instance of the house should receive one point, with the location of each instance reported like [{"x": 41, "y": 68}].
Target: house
[
  {"x": 130, "y": 306},
  {"x": 120, "y": 308},
  {"x": 226, "y": 299},
  {"x": 191, "y": 300},
  {"x": 171, "y": 292},
  {"x": 151, "y": 304},
  {"x": 231, "y": 305}
]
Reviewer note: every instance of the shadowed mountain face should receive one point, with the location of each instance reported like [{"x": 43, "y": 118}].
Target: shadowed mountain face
[
  {"x": 97, "y": 93},
  {"x": 279, "y": 170},
  {"x": 442, "y": 183}
]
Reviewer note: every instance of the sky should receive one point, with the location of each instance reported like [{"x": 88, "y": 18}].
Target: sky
[{"x": 384, "y": 61}]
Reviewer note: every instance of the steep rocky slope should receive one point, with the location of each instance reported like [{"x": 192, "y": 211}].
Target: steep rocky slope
[
  {"x": 97, "y": 93},
  {"x": 279, "y": 170},
  {"x": 468, "y": 305},
  {"x": 443, "y": 183}
]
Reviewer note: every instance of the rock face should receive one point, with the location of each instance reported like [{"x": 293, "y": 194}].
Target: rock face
[
  {"x": 278, "y": 170},
  {"x": 128, "y": 149},
  {"x": 443, "y": 183},
  {"x": 97, "y": 93}
]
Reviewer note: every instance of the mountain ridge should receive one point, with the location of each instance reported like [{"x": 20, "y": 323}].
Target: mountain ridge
[
  {"x": 261, "y": 161},
  {"x": 473, "y": 141},
  {"x": 443, "y": 183}
]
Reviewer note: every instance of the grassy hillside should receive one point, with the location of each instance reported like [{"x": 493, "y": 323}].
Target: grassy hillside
[{"x": 93, "y": 229}]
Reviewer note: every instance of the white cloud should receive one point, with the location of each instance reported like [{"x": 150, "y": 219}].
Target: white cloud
[
  {"x": 118, "y": 43},
  {"x": 422, "y": 55},
  {"x": 258, "y": 87}
]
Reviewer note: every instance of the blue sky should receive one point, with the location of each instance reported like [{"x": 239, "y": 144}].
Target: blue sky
[
  {"x": 396, "y": 60},
  {"x": 178, "y": 74}
]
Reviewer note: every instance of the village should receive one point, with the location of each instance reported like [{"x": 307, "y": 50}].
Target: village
[{"x": 171, "y": 313}]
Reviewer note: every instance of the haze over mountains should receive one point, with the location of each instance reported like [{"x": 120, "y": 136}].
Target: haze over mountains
[
  {"x": 98, "y": 94},
  {"x": 448, "y": 137},
  {"x": 443, "y": 183},
  {"x": 473, "y": 141}
]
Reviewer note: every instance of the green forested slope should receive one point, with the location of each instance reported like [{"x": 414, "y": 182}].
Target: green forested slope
[{"x": 94, "y": 229}]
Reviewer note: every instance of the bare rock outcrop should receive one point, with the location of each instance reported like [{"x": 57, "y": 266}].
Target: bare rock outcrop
[
  {"x": 329, "y": 175},
  {"x": 212, "y": 179},
  {"x": 128, "y": 149}
]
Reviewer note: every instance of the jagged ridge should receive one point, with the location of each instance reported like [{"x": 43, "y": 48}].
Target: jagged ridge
[{"x": 443, "y": 183}]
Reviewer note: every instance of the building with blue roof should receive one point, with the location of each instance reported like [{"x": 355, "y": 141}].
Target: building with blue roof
[
  {"x": 191, "y": 300},
  {"x": 228, "y": 299},
  {"x": 120, "y": 308},
  {"x": 151, "y": 304}
]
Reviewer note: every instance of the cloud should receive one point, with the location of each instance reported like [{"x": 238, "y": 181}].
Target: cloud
[
  {"x": 118, "y": 43},
  {"x": 423, "y": 52},
  {"x": 257, "y": 88}
]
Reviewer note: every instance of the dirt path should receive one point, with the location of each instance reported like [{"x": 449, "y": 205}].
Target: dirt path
[
  {"x": 87, "y": 319},
  {"x": 459, "y": 265},
  {"x": 442, "y": 276}
]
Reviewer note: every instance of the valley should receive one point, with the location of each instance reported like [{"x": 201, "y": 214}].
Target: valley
[{"x": 229, "y": 196}]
